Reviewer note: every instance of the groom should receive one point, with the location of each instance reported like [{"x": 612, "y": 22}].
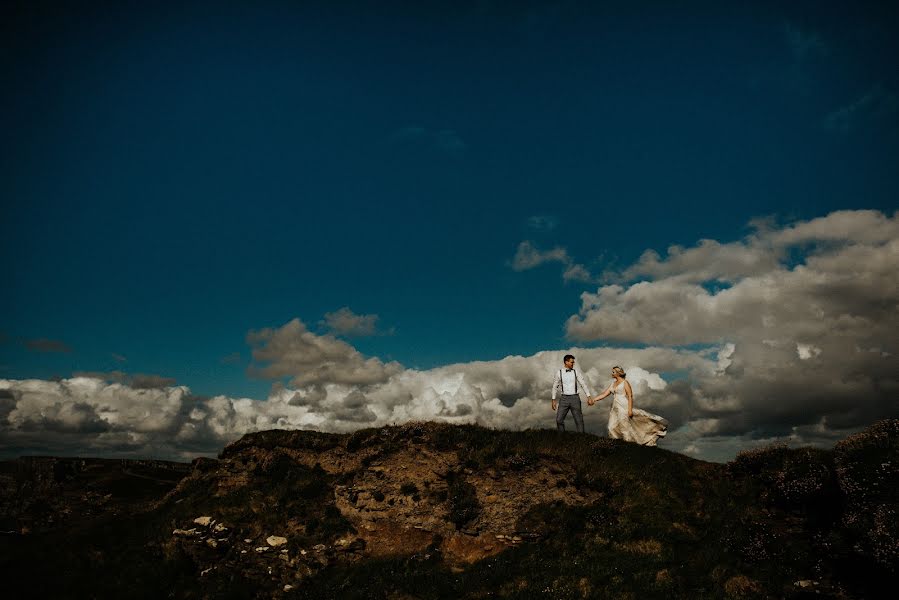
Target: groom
[{"x": 568, "y": 382}]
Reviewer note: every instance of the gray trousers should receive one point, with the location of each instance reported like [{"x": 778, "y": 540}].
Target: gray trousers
[{"x": 573, "y": 403}]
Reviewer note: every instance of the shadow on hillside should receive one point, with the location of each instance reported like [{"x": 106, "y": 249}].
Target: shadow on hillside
[{"x": 437, "y": 511}]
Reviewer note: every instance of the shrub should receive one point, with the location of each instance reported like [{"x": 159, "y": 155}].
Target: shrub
[
  {"x": 867, "y": 467},
  {"x": 361, "y": 439},
  {"x": 759, "y": 460},
  {"x": 807, "y": 481},
  {"x": 464, "y": 506}
]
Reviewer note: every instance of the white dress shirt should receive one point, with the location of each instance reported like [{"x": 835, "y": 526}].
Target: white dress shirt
[{"x": 567, "y": 381}]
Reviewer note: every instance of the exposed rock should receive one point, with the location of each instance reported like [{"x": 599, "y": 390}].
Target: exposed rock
[
  {"x": 385, "y": 513},
  {"x": 192, "y": 532}
]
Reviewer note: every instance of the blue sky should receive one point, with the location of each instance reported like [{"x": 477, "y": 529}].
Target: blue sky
[{"x": 175, "y": 177}]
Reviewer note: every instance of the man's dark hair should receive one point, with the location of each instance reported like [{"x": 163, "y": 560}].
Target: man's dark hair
[{"x": 567, "y": 356}]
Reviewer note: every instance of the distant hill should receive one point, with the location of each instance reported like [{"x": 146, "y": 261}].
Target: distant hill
[{"x": 429, "y": 510}]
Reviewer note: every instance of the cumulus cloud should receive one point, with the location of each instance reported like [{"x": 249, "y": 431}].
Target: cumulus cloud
[
  {"x": 292, "y": 351},
  {"x": 577, "y": 273},
  {"x": 108, "y": 376},
  {"x": 151, "y": 382},
  {"x": 792, "y": 350},
  {"x": 527, "y": 256},
  {"x": 848, "y": 281},
  {"x": 347, "y": 323},
  {"x": 99, "y": 417},
  {"x": 708, "y": 261},
  {"x": 88, "y": 415},
  {"x": 137, "y": 380},
  {"x": 789, "y": 335},
  {"x": 710, "y": 417}
]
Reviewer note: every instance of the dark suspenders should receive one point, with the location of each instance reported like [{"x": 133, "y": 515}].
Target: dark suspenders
[{"x": 563, "y": 384}]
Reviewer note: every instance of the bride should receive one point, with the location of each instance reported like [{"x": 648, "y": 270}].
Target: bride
[{"x": 626, "y": 422}]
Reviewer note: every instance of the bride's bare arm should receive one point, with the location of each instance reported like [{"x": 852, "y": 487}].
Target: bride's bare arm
[
  {"x": 600, "y": 397},
  {"x": 630, "y": 398}
]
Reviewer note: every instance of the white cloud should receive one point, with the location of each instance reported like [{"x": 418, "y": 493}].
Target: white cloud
[
  {"x": 708, "y": 261},
  {"x": 807, "y": 351},
  {"x": 786, "y": 333},
  {"x": 803, "y": 352},
  {"x": 577, "y": 273},
  {"x": 97, "y": 417},
  {"x": 512, "y": 393},
  {"x": 713, "y": 414},
  {"x": 724, "y": 356},
  {"x": 846, "y": 227},
  {"x": 527, "y": 256},
  {"x": 845, "y": 286},
  {"x": 308, "y": 359},
  {"x": 345, "y": 322}
]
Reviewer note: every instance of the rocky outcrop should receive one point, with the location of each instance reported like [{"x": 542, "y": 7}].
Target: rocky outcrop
[{"x": 427, "y": 510}]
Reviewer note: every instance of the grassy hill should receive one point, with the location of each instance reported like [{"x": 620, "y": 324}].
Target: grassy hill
[{"x": 428, "y": 510}]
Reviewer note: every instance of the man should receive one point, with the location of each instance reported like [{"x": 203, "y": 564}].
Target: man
[{"x": 567, "y": 383}]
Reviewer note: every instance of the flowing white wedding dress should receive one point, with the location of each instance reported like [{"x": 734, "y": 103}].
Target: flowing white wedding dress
[{"x": 643, "y": 428}]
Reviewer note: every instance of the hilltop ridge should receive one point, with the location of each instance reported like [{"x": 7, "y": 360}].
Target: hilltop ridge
[{"x": 428, "y": 510}]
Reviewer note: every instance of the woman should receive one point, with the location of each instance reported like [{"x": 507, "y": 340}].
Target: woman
[{"x": 626, "y": 422}]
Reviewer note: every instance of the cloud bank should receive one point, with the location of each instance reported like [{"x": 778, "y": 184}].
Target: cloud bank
[
  {"x": 89, "y": 416},
  {"x": 788, "y": 334},
  {"x": 812, "y": 341}
]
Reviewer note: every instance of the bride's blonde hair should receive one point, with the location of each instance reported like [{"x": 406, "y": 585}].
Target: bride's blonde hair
[{"x": 619, "y": 371}]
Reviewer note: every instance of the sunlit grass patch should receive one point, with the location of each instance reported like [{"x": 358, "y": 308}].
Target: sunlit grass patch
[{"x": 648, "y": 547}]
